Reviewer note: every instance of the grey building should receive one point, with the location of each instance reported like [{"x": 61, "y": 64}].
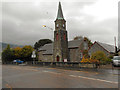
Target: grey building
[
  {"x": 98, "y": 46},
  {"x": 75, "y": 51}
]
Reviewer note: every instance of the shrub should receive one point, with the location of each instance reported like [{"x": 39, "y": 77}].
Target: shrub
[{"x": 101, "y": 57}]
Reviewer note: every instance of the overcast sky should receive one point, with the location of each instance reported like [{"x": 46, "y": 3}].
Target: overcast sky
[{"x": 22, "y": 21}]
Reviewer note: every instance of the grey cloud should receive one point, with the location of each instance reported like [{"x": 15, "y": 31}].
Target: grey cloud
[{"x": 22, "y": 22}]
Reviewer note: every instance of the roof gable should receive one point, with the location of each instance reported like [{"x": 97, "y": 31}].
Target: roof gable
[{"x": 109, "y": 48}]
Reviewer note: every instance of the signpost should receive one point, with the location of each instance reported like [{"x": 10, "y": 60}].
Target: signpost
[
  {"x": 65, "y": 60},
  {"x": 33, "y": 56}
]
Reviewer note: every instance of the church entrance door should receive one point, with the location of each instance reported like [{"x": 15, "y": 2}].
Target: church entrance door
[{"x": 58, "y": 58}]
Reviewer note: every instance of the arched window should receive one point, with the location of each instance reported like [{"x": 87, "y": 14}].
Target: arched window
[{"x": 57, "y": 36}]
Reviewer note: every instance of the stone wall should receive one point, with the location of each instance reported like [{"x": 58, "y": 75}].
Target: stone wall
[
  {"x": 48, "y": 58},
  {"x": 40, "y": 56},
  {"x": 44, "y": 58},
  {"x": 73, "y": 54}
]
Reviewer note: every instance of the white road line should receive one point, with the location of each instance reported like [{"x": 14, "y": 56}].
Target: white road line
[
  {"x": 73, "y": 76},
  {"x": 45, "y": 71},
  {"x": 94, "y": 79},
  {"x": 52, "y": 72}
]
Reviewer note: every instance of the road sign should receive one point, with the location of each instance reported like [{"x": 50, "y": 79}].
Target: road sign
[
  {"x": 65, "y": 60},
  {"x": 33, "y": 54}
]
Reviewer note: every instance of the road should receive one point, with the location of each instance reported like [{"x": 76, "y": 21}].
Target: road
[
  {"x": 44, "y": 77},
  {"x": 0, "y": 76}
]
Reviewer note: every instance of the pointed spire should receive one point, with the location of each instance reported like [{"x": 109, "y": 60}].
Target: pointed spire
[{"x": 60, "y": 14}]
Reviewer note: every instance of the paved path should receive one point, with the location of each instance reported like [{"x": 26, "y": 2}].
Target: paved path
[{"x": 43, "y": 77}]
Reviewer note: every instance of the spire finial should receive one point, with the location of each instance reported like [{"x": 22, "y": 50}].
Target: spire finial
[{"x": 60, "y": 14}]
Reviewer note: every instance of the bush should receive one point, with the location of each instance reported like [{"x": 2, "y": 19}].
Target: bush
[
  {"x": 100, "y": 56},
  {"x": 88, "y": 60}
]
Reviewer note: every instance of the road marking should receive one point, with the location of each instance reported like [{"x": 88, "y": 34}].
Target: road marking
[
  {"x": 73, "y": 76},
  {"x": 45, "y": 71},
  {"x": 75, "y": 71},
  {"x": 52, "y": 72},
  {"x": 93, "y": 79},
  {"x": 24, "y": 69}
]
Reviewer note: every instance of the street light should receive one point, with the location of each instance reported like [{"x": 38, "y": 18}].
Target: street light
[{"x": 48, "y": 27}]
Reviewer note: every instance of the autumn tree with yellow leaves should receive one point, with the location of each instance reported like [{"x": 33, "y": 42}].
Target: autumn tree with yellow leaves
[{"x": 24, "y": 53}]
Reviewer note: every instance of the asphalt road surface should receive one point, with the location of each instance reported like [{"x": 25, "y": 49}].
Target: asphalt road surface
[
  {"x": 43, "y": 77},
  {"x": 0, "y": 76}
]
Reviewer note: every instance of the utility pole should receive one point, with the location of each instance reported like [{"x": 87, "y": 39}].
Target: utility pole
[
  {"x": 49, "y": 28},
  {"x": 115, "y": 45}
]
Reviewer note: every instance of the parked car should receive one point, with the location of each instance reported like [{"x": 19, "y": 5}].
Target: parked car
[
  {"x": 116, "y": 61},
  {"x": 18, "y": 61}
]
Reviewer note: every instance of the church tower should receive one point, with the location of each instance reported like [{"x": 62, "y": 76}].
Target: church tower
[{"x": 60, "y": 50}]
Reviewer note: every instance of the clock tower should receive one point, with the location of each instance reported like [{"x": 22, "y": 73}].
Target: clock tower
[{"x": 60, "y": 49}]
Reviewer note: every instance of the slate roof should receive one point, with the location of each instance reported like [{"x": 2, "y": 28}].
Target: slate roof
[
  {"x": 48, "y": 48},
  {"x": 109, "y": 48},
  {"x": 74, "y": 43},
  {"x": 48, "y": 52}
]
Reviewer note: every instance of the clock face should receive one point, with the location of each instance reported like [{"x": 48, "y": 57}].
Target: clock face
[
  {"x": 57, "y": 25},
  {"x": 63, "y": 25}
]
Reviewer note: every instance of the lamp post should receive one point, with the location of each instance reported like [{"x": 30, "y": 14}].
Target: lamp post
[{"x": 48, "y": 27}]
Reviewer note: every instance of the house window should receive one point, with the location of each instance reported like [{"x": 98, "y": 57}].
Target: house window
[{"x": 57, "y": 36}]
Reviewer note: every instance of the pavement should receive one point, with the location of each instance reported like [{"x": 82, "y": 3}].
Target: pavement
[{"x": 15, "y": 76}]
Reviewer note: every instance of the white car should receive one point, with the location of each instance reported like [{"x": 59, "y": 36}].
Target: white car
[{"x": 116, "y": 60}]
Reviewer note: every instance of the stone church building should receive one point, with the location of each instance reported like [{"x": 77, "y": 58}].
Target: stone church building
[{"x": 62, "y": 50}]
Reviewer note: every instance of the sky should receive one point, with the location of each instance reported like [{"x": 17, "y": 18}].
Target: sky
[{"x": 22, "y": 20}]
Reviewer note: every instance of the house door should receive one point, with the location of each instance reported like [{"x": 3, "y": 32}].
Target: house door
[{"x": 58, "y": 58}]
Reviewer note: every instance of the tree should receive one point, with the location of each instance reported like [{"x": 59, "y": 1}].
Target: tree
[
  {"x": 78, "y": 38},
  {"x": 99, "y": 55},
  {"x": 23, "y": 53},
  {"x": 41, "y": 42},
  {"x": 7, "y": 54},
  {"x": 89, "y": 41},
  {"x": 17, "y": 52},
  {"x": 26, "y": 52}
]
